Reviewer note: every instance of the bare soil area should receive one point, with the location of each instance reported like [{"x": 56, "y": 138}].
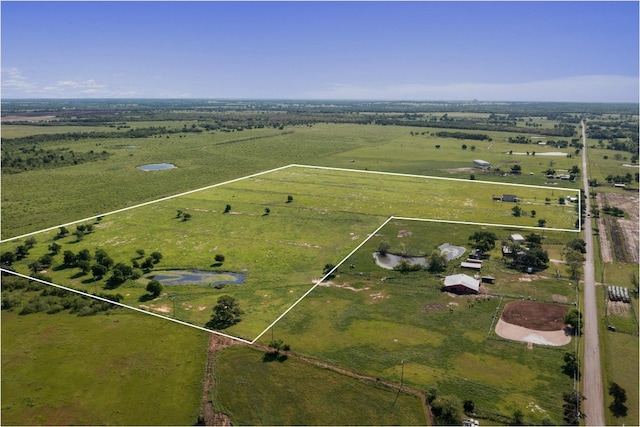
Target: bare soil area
[
  {"x": 605, "y": 244},
  {"x": 624, "y": 231},
  {"x": 535, "y": 315},
  {"x": 534, "y": 323},
  {"x": 628, "y": 202},
  {"x": 618, "y": 308}
]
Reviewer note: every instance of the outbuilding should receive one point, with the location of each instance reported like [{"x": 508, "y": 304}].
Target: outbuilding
[
  {"x": 482, "y": 163},
  {"x": 510, "y": 198},
  {"x": 461, "y": 284}
]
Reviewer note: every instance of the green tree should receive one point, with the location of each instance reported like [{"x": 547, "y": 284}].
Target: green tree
[
  {"x": 156, "y": 256},
  {"x": 84, "y": 255},
  {"x": 289, "y": 198},
  {"x": 574, "y": 319},
  {"x": 533, "y": 213},
  {"x": 98, "y": 271},
  {"x": 227, "y": 312},
  {"x": 84, "y": 265},
  {"x": 484, "y": 240},
  {"x": 227, "y": 209},
  {"x": 154, "y": 287},
  {"x": 383, "y": 248},
  {"x": 46, "y": 260},
  {"x": 437, "y": 261},
  {"x": 8, "y": 258},
  {"x": 55, "y": 248},
  {"x": 542, "y": 223},
  {"x": 516, "y": 169},
  {"x": 574, "y": 260},
  {"x": 219, "y": 258},
  {"x": 140, "y": 253},
  {"x": 447, "y": 410},
  {"x": 30, "y": 242},
  {"x": 517, "y": 211},
  {"x": 35, "y": 266},
  {"x": 186, "y": 217},
  {"x": 571, "y": 365},
  {"x": 267, "y": 211},
  {"x": 327, "y": 269},
  {"x": 21, "y": 251},
  {"x": 578, "y": 245},
  {"x": 63, "y": 231},
  {"x": 618, "y": 407},
  {"x": 518, "y": 418},
  {"x": 147, "y": 264}
]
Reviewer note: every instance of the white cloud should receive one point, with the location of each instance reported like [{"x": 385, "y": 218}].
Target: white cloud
[
  {"x": 16, "y": 85},
  {"x": 14, "y": 81},
  {"x": 571, "y": 89}
]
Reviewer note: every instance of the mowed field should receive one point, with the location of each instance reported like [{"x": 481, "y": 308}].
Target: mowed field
[
  {"x": 122, "y": 369},
  {"x": 43, "y": 198},
  {"x": 280, "y": 253}
]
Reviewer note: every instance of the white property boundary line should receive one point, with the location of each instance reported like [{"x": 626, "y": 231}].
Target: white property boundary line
[
  {"x": 122, "y": 305},
  {"x": 296, "y": 166},
  {"x": 322, "y": 280},
  {"x": 148, "y": 203},
  {"x": 326, "y": 275}
]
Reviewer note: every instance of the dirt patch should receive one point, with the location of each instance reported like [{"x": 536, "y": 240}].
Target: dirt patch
[
  {"x": 530, "y": 277},
  {"x": 618, "y": 308},
  {"x": 535, "y": 315},
  {"x": 531, "y": 336},
  {"x": 559, "y": 298},
  {"x": 605, "y": 245},
  {"x": 404, "y": 233},
  {"x": 430, "y": 307},
  {"x": 625, "y": 236},
  {"x": 345, "y": 285},
  {"x": 462, "y": 170}
]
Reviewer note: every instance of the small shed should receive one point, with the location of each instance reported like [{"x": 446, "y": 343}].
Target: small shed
[
  {"x": 461, "y": 284},
  {"x": 482, "y": 163},
  {"x": 488, "y": 279},
  {"x": 471, "y": 265},
  {"x": 510, "y": 198},
  {"x": 517, "y": 238}
]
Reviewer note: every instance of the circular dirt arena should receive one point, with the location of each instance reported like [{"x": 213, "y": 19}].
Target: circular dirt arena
[{"x": 534, "y": 322}]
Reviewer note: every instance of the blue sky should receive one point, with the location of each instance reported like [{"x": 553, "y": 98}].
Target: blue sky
[{"x": 496, "y": 51}]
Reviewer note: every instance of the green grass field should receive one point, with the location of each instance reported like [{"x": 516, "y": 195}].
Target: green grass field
[
  {"x": 44, "y": 198},
  {"x": 123, "y": 368},
  {"x": 281, "y": 253},
  {"x": 254, "y": 392},
  {"x": 366, "y": 319}
]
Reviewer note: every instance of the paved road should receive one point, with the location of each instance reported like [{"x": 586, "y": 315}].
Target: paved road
[{"x": 592, "y": 375}]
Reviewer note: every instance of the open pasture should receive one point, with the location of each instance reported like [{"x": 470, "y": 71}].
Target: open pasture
[
  {"x": 370, "y": 319},
  {"x": 38, "y": 198},
  {"x": 120, "y": 369},
  {"x": 254, "y": 392},
  {"x": 281, "y": 246}
]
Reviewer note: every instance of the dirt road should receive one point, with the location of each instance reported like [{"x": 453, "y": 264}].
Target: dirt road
[{"x": 592, "y": 375}]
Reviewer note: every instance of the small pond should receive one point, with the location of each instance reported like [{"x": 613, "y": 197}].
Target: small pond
[
  {"x": 389, "y": 261},
  {"x": 197, "y": 277},
  {"x": 156, "y": 167}
]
